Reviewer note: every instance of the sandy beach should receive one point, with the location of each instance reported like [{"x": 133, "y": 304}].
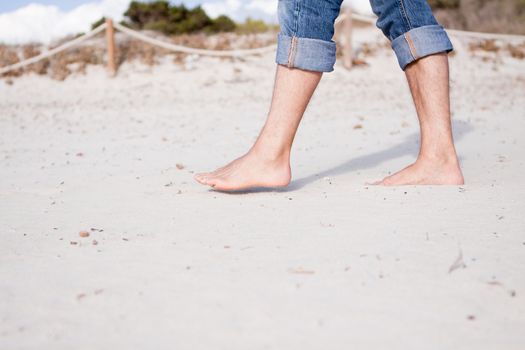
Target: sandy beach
[{"x": 328, "y": 263}]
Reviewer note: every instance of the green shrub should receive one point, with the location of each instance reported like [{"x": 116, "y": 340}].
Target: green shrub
[
  {"x": 98, "y": 23},
  {"x": 160, "y": 26},
  {"x": 223, "y": 24},
  {"x": 174, "y": 19},
  {"x": 251, "y": 26},
  {"x": 141, "y": 13}
]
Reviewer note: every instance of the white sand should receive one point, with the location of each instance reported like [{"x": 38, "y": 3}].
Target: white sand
[{"x": 327, "y": 264}]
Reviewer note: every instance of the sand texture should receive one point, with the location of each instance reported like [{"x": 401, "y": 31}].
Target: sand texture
[{"x": 329, "y": 263}]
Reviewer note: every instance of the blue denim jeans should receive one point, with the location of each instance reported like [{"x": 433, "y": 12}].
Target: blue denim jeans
[{"x": 307, "y": 28}]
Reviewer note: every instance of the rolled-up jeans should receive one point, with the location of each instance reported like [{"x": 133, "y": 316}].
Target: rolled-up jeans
[{"x": 307, "y": 28}]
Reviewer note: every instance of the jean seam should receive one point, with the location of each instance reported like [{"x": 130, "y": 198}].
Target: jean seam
[
  {"x": 308, "y": 54},
  {"x": 293, "y": 43},
  {"x": 403, "y": 12},
  {"x": 411, "y": 46},
  {"x": 293, "y": 49},
  {"x": 420, "y": 42}
]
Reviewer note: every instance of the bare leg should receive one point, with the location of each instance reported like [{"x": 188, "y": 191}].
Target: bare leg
[
  {"x": 267, "y": 163},
  {"x": 437, "y": 162}
]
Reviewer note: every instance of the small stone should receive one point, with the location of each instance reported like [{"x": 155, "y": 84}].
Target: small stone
[
  {"x": 302, "y": 271},
  {"x": 95, "y": 242},
  {"x": 179, "y": 166},
  {"x": 83, "y": 234}
]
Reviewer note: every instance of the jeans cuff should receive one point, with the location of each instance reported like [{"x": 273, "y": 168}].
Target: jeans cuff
[
  {"x": 420, "y": 42},
  {"x": 305, "y": 53}
]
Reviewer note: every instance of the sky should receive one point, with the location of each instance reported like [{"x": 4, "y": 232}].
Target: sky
[
  {"x": 66, "y": 5},
  {"x": 43, "y": 21}
]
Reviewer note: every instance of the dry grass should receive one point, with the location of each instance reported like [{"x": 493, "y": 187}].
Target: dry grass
[
  {"x": 484, "y": 45},
  {"x": 8, "y": 56},
  {"x": 76, "y": 60},
  {"x": 516, "y": 51},
  {"x": 494, "y": 51},
  {"x": 495, "y": 47},
  {"x": 501, "y": 16}
]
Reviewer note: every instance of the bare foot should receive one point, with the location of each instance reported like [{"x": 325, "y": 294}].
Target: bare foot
[
  {"x": 426, "y": 172},
  {"x": 249, "y": 171}
]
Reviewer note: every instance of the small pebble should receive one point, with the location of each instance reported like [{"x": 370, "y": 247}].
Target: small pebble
[{"x": 83, "y": 234}]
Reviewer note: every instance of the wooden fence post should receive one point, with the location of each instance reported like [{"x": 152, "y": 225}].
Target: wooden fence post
[
  {"x": 347, "y": 34},
  {"x": 110, "y": 39}
]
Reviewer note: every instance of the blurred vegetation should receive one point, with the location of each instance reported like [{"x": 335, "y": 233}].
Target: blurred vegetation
[
  {"x": 501, "y": 16},
  {"x": 175, "y": 19},
  {"x": 223, "y": 24},
  {"x": 178, "y": 19},
  {"x": 251, "y": 26},
  {"x": 98, "y": 23},
  {"x": 444, "y": 4}
]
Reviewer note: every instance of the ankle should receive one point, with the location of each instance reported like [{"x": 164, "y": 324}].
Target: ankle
[
  {"x": 271, "y": 154},
  {"x": 439, "y": 158}
]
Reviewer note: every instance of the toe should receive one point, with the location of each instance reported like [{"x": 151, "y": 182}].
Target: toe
[
  {"x": 375, "y": 183},
  {"x": 211, "y": 180},
  {"x": 198, "y": 177},
  {"x": 202, "y": 178},
  {"x": 385, "y": 182},
  {"x": 220, "y": 183}
]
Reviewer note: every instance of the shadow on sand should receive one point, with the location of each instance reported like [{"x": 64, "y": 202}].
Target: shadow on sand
[{"x": 409, "y": 147}]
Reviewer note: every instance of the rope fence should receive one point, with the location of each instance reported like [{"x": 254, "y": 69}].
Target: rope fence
[
  {"x": 194, "y": 51},
  {"x": 54, "y": 51},
  {"x": 109, "y": 26}
]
